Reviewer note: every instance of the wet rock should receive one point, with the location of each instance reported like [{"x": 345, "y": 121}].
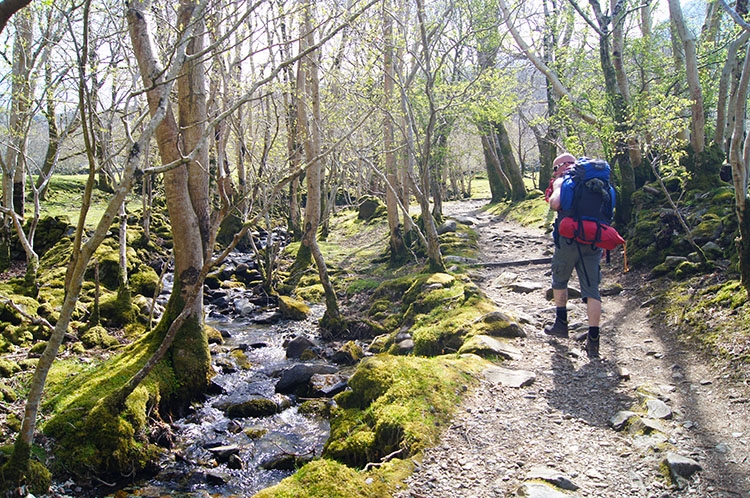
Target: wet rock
[
  {"x": 258, "y": 407},
  {"x": 508, "y": 377},
  {"x": 286, "y": 462},
  {"x": 620, "y": 419},
  {"x": 537, "y": 490},
  {"x": 222, "y": 453},
  {"x": 299, "y": 375},
  {"x": 486, "y": 345},
  {"x": 244, "y": 307},
  {"x": 234, "y": 462},
  {"x": 297, "y": 346},
  {"x": 552, "y": 476},
  {"x": 267, "y": 318},
  {"x": 215, "y": 389},
  {"x": 658, "y": 409},
  {"x": 293, "y": 309},
  {"x": 216, "y": 478},
  {"x": 234, "y": 427},
  {"x": 680, "y": 466},
  {"x": 327, "y": 385}
]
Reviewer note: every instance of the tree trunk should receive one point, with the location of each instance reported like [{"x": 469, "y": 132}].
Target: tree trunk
[
  {"x": 396, "y": 241},
  {"x": 698, "y": 119},
  {"x": 513, "y": 170},
  {"x": 190, "y": 358},
  {"x": 20, "y": 104}
]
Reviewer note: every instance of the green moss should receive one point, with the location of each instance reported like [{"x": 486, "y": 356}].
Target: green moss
[
  {"x": 319, "y": 407},
  {"x": 330, "y": 479},
  {"x": 144, "y": 282},
  {"x": 116, "y": 310},
  {"x": 38, "y": 348},
  {"x": 292, "y": 308},
  {"x": 253, "y": 408},
  {"x": 98, "y": 336},
  {"x": 255, "y": 432},
  {"x": 312, "y": 293},
  {"x": 396, "y": 402},
  {"x": 8, "y": 368},
  {"x": 361, "y": 285}
]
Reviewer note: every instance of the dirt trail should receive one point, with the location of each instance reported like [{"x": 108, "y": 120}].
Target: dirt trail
[{"x": 562, "y": 419}]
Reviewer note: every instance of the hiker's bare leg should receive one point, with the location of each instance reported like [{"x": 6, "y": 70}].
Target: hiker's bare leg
[
  {"x": 561, "y": 297},
  {"x": 593, "y": 309}
]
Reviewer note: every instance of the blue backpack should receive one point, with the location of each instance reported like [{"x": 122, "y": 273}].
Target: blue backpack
[{"x": 586, "y": 192}]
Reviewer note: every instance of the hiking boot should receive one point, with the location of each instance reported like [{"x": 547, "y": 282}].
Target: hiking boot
[
  {"x": 592, "y": 348},
  {"x": 558, "y": 329}
]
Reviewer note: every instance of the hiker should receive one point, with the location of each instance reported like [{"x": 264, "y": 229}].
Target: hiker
[{"x": 570, "y": 253}]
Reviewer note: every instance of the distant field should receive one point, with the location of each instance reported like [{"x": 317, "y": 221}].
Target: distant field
[{"x": 64, "y": 199}]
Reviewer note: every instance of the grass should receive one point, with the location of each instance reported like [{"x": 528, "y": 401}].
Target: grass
[{"x": 64, "y": 199}]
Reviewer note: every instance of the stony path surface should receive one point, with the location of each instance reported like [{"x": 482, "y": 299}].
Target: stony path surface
[{"x": 501, "y": 435}]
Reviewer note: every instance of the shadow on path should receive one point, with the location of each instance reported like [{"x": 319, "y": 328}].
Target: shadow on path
[{"x": 590, "y": 392}]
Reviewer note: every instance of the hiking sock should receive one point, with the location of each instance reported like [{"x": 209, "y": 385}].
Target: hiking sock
[
  {"x": 594, "y": 333},
  {"x": 561, "y": 314}
]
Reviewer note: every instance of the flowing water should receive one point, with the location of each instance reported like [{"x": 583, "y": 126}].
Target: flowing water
[{"x": 245, "y": 366}]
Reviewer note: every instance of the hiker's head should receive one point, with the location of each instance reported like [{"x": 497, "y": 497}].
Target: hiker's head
[{"x": 561, "y": 164}]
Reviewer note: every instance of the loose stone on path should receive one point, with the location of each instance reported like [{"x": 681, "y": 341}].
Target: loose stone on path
[{"x": 509, "y": 378}]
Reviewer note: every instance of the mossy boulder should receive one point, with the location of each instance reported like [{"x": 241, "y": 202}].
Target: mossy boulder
[
  {"x": 8, "y": 395},
  {"x": 259, "y": 407},
  {"x": 117, "y": 310},
  {"x": 214, "y": 335},
  {"x": 8, "y": 368},
  {"x": 98, "y": 336},
  {"x": 331, "y": 479},
  {"x": 311, "y": 294},
  {"x": 396, "y": 402},
  {"x": 292, "y": 308},
  {"x": 370, "y": 207},
  {"x": 708, "y": 229},
  {"x": 144, "y": 281},
  {"x": 497, "y": 324},
  {"x": 38, "y": 348}
]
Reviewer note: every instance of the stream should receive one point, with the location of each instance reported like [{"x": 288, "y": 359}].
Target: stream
[
  {"x": 211, "y": 454},
  {"x": 217, "y": 456}
]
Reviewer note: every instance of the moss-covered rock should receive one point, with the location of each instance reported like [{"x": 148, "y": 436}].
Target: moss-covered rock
[
  {"x": 116, "y": 310},
  {"x": 370, "y": 207},
  {"x": 8, "y": 368},
  {"x": 38, "y": 348},
  {"x": 396, "y": 402},
  {"x": 8, "y": 395},
  {"x": 311, "y": 294},
  {"x": 708, "y": 229},
  {"x": 330, "y": 479},
  {"x": 98, "y": 336},
  {"x": 259, "y": 407},
  {"x": 319, "y": 407},
  {"x": 214, "y": 335},
  {"x": 144, "y": 281},
  {"x": 292, "y": 308}
]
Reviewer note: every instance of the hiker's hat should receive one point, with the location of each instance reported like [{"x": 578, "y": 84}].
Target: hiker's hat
[{"x": 562, "y": 162}]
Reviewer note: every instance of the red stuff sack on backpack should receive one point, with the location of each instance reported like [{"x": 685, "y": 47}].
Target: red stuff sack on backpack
[{"x": 596, "y": 233}]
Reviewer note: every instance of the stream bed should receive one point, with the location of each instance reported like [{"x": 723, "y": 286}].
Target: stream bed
[{"x": 214, "y": 455}]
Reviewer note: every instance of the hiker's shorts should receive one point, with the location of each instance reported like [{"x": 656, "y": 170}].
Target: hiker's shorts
[{"x": 586, "y": 263}]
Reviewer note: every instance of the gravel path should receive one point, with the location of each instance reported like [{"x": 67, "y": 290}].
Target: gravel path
[{"x": 562, "y": 420}]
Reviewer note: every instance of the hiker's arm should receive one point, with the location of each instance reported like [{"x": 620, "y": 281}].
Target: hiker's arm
[{"x": 554, "y": 200}]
